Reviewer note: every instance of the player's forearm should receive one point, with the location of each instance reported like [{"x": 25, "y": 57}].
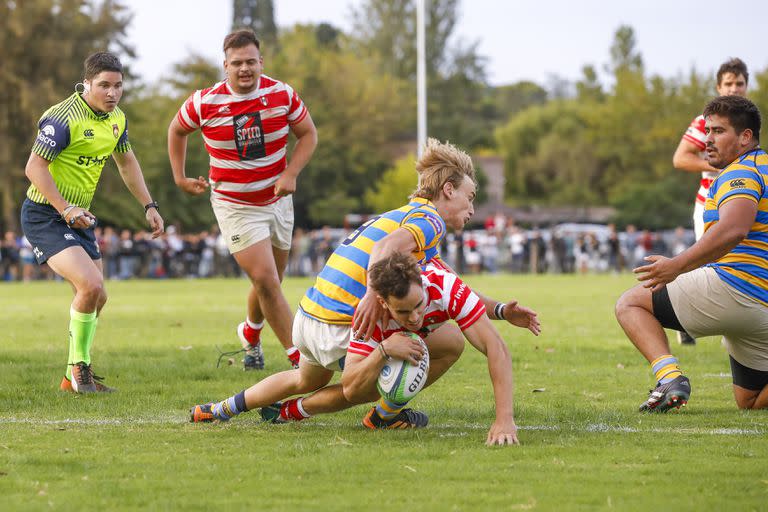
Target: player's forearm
[
  {"x": 130, "y": 172},
  {"x": 38, "y": 173},
  {"x": 302, "y": 152},
  {"x": 177, "y": 154},
  {"x": 500, "y": 370},
  {"x": 360, "y": 378},
  {"x": 689, "y": 162},
  {"x": 716, "y": 243}
]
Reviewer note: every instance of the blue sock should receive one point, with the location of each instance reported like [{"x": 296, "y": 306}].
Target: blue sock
[
  {"x": 387, "y": 409},
  {"x": 231, "y": 407}
]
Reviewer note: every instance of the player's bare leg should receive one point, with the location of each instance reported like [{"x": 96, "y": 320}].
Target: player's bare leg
[
  {"x": 749, "y": 398},
  {"x": 265, "y": 265},
  {"x": 87, "y": 280},
  {"x": 446, "y": 345}
]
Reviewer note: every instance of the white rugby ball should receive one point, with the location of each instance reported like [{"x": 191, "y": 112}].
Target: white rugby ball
[{"x": 400, "y": 381}]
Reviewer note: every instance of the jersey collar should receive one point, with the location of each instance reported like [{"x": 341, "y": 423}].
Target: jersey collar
[{"x": 99, "y": 116}]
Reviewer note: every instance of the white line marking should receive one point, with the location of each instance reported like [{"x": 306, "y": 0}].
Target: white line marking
[{"x": 590, "y": 428}]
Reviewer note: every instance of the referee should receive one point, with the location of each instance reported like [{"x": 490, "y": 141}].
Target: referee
[{"x": 74, "y": 141}]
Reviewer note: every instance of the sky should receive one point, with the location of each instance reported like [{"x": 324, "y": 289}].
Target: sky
[{"x": 522, "y": 40}]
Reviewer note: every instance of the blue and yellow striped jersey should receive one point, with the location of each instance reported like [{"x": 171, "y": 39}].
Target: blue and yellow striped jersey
[
  {"x": 343, "y": 281},
  {"x": 745, "y": 268}
]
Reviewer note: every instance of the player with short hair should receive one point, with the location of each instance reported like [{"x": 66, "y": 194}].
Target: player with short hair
[
  {"x": 245, "y": 121},
  {"x": 720, "y": 284},
  {"x": 75, "y": 139},
  {"x": 418, "y": 302},
  {"x": 732, "y": 79}
]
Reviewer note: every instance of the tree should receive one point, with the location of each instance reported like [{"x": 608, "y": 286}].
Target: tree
[
  {"x": 44, "y": 44},
  {"x": 392, "y": 189},
  {"x": 258, "y": 15}
]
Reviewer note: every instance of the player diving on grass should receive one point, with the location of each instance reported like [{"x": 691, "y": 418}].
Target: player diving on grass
[
  {"x": 417, "y": 301},
  {"x": 444, "y": 198}
]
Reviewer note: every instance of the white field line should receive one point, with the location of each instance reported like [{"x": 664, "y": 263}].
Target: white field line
[{"x": 591, "y": 428}]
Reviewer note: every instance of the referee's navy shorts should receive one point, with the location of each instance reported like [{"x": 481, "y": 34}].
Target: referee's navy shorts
[{"x": 49, "y": 234}]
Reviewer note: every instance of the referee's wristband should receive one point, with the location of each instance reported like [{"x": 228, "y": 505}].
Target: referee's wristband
[
  {"x": 498, "y": 310},
  {"x": 153, "y": 204}
]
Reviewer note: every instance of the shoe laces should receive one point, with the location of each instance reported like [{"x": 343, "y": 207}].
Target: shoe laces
[
  {"x": 85, "y": 375},
  {"x": 223, "y": 354}
]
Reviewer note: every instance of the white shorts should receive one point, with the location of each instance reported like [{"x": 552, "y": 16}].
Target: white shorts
[
  {"x": 698, "y": 220},
  {"x": 320, "y": 344},
  {"x": 705, "y": 306},
  {"x": 244, "y": 225}
]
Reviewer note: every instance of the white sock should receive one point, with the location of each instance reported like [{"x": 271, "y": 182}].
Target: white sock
[{"x": 254, "y": 325}]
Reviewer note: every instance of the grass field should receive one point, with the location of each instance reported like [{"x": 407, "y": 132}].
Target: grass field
[{"x": 584, "y": 446}]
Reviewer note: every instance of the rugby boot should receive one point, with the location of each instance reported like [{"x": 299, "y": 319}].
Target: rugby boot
[
  {"x": 673, "y": 394},
  {"x": 202, "y": 413},
  {"x": 82, "y": 378},
  {"x": 254, "y": 355},
  {"x": 407, "y": 418}
]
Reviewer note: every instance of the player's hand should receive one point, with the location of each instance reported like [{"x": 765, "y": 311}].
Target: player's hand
[
  {"x": 659, "y": 272},
  {"x": 367, "y": 314},
  {"x": 503, "y": 432},
  {"x": 80, "y": 218},
  {"x": 285, "y": 185},
  {"x": 522, "y": 316},
  {"x": 155, "y": 222},
  {"x": 401, "y": 346},
  {"x": 193, "y": 186}
]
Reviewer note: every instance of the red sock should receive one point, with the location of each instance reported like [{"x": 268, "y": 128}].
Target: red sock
[
  {"x": 293, "y": 356},
  {"x": 252, "y": 336},
  {"x": 292, "y": 410}
]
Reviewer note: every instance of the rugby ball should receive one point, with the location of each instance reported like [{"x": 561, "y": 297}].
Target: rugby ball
[{"x": 400, "y": 381}]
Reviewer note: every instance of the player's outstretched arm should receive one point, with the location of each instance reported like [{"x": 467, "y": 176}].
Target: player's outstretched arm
[
  {"x": 177, "y": 154},
  {"x": 485, "y": 338},
  {"x": 130, "y": 172}
]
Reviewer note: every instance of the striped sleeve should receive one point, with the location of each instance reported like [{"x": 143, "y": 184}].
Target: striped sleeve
[
  {"x": 427, "y": 229},
  {"x": 695, "y": 133},
  {"x": 297, "y": 111},
  {"x": 740, "y": 182},
  {"x": 464, "y": 305},
  {"x": 123, "y": 144},
  {"x": 52, "y": 136},
  {"x": 189, "y": 113},
  {"x": 365, "y": 348}
]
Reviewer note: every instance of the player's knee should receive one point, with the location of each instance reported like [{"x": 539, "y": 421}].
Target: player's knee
[
  {"x": 264, "y": 283},
  {"x": 93, "y": 291},
  {"x": 623, "y": 305}
]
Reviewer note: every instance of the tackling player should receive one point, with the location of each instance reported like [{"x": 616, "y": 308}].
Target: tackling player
[
  {"x": 417, "y": 301},
  {"x": 75, "y": 139}
]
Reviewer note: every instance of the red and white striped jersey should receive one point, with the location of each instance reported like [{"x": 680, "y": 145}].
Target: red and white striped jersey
[
  {"x": 246, "y": 136},
  {"x": 696, "y": 135},
  {"x": 447, "y": 297}
]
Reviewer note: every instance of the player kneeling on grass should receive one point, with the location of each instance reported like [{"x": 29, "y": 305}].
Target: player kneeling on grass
[
  {"x": 719, "y": 285},
  {"x": 418, "y": 302}
]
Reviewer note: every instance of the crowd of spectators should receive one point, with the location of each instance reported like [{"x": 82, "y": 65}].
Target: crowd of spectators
[{"x": 500, "y": 246}]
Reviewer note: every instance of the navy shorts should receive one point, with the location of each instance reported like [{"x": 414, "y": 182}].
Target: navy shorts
[{"x": 49, "y": 234}]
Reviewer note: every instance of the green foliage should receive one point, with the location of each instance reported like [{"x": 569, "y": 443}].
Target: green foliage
[
  {"x": 43, "y": 44},
  {"x": 258, "y": 15},
  {"x": 394, "y": 186},
  {"x": 136, "y": 450}
]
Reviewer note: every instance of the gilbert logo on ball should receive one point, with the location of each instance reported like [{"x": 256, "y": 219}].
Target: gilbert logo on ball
[{"x": 399, "y": 381}]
